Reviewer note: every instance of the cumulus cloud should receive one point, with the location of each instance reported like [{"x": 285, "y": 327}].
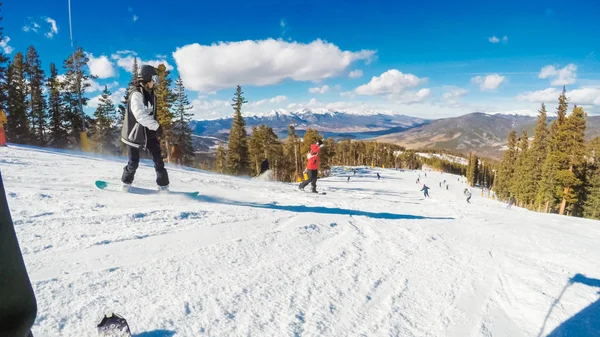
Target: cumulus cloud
[
  {"x": 4, "y": 45},
  {"x": 391, "y": 82},
  {"x": 564, "y": 76},
  {"x": 584, "y": 95},
  {"x": 319, "y": 90},
  {"x": 494, "y": 39},
  {"x": 411, "y": 97},
  {"x": 489, "y": 82},
  {"x": 355, "y": 73},
  {"x": 101, "y": 66},
  {"x": 125, "y": 59},
  {"x": 261, "y": 63},
  {"x": 204, "y": 109}
]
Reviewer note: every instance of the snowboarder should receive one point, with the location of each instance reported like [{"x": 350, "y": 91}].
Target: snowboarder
[
  {"x": 425, "y": 190},
  {"x": 418, "y": 180},
  {"x": 511, "y": 201},
  {"x": 264, "y": 166},
  {"x": 378, "y": 177},
  {"x": 348, "y": 179},
  {"x": 312, "y": 166},
  {"x": 440, "y": 184},
  {"x": 468, "y": 195},
  {"x": 141, "y": 129},
  {"x": 447, "y": 187}
]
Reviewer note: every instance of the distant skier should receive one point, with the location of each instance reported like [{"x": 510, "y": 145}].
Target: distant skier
[
  {"x": 355, "y": 172},
  {"x": 378, "y": 177},
  {"x": 312, "y": 166},
  {"x": 447, "y": 186},
  {"x": 141, "y": 130},
  {"x": 425, "y": 190},
  {"x": 467, "y": 193},
  {"x": 511, "y": 201},
  {"x": 264, "y": 166},
  {"x": 418, "y": 180},
  {"x": 348, "y": 179},
  {"x": 440, "y": 184}
]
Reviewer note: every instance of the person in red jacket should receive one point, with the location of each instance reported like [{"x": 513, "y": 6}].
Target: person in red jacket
[{"x": 312, "y": 166}]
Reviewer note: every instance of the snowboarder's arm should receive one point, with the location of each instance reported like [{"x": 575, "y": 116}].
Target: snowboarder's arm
[{"x": 139, "y": 112}]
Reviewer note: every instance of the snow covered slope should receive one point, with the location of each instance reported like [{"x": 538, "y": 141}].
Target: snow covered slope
[{"x": 255, "y": 258}]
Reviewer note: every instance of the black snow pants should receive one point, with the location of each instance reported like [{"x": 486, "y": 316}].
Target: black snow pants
[
  {"x": 162, "y": 177},
  {"x": 18, "y": 306},
  {"x": 312, "y": 179}
]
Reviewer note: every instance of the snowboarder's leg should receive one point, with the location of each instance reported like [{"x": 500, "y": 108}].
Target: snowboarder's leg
[
  {"x": 162, "y": 177},
  {"x": 313, "y": 179},
  {"x": 18, "y": 306},
  {"x": 132, "y": 165}
]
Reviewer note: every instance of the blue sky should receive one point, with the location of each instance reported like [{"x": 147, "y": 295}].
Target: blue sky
[{"x": 429, "y": 59}]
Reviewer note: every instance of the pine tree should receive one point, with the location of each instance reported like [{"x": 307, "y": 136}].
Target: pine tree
[
  {"x": 3, "y": 70},
  {"x": 74, "y": 86},
  {"x": 571, "y": 173},
  {"x": 58, "y": 131},
  {"x": 221, "y": 158},
  {"x": 507, "y": 167},
  {"x": 473, "y": 170},
  {"x": 182, "y": 134},
  {"x": 18, "y": 127},
  {"x": 592, "y": 204},
  {"x": 290, "y": 150},
  {"x": 534, "y": 161},
  {"x": 237, "y": 152},
  {"x": 165, "y": 99},
  {"x": 263, "y": 144},
  {"x": 37, "y": 102},
  {"x": 548, "y": 193},
  {"x": 105, "y": 117},
  {"x": 518, "y": 183}
]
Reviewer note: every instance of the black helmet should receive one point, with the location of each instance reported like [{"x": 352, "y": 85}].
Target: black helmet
[
  {"x": 147, "y": 72},
  {"x": 319, "y": 142}
]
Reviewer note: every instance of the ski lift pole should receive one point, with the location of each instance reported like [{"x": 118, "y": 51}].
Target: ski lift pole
[{"x": 85, "y": 144}]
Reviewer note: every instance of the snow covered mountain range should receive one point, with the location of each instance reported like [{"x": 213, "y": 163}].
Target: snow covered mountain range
[{"x": 482, "y": 133}]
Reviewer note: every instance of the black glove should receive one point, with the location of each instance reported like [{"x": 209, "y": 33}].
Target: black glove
[{"x": 159, "y": 132}]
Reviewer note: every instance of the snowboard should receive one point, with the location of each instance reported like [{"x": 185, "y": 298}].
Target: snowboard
[
  {"x": 113, "y": 326},
  {"x": 299, "y": 190},
  {"x": 116, "y": 187}
]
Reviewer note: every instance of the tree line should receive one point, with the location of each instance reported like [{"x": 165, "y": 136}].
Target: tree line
[{"x": 558, "y": 171}]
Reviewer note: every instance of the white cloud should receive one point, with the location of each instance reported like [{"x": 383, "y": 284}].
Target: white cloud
[
  {"x": 5, "y": 47},
  {"x": 489, "y": 82},
  {"x": 116, "y": 97},
  {"x": 390, "y": 82},
  {"x": 320, "y": 90},
  {"x": 101, "y": 66},
  {"x": 125, "y": 59},
  {"x": 564, "y": 76},
  {"x": 36, "y": 27},
  {"x": 202, "y": 109},
  {"x": 355, "y": 73},
  {"x": 284, "y": 27},
  {"x": 505, "y": 39},
  {"x": 261, "y": 63},
  {"x": 277, "y": 99},
  {"x": 135, "y": 18},
  {"x": 584, "y": 95},
  {"x": 411, "y": 97},
  {"x": 453, "y": 93},
  {"x": 494, "y": 39},
  {"x": 53, "y": 28}
]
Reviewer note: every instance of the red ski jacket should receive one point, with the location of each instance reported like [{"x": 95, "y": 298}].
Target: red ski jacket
[{"x": 313, "y": 157}]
